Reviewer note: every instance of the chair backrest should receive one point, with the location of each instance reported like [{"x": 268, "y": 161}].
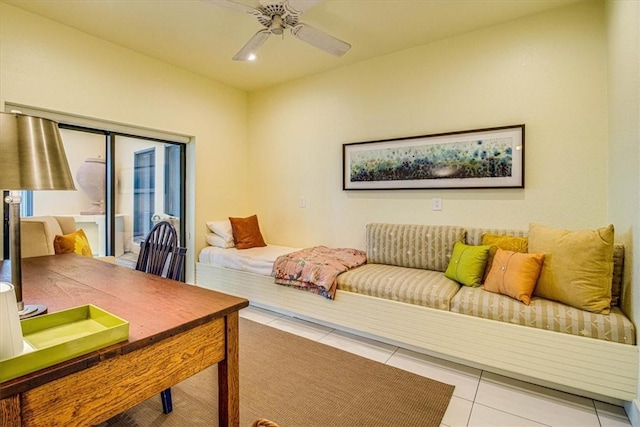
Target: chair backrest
[{"x": 160, "y": 253}]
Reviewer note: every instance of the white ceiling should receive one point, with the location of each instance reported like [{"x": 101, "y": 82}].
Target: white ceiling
[{"x": 202, "y": 37}]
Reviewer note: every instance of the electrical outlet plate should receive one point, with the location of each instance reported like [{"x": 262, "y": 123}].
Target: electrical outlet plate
[{"x": 437, "y": 203}]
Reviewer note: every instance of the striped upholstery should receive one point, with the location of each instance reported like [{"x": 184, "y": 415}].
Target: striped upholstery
[
  {"x": 544, "y": 314},
  {"x": 410, "y": 285},
  {"x": 474, "y": 235},
  {"x": 414, "y": 246},
  {"x": 616, "y": 282}
]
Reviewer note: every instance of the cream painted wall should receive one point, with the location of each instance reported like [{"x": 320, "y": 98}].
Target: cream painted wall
[
  {"x": 51, "y": 66},
  {"x": 547, "y": 71},
  {"x": 623, "y": 42}
]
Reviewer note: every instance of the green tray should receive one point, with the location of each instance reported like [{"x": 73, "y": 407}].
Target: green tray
[{"x": 63, "y": 335}]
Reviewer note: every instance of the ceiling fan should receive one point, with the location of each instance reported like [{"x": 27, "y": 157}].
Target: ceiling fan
[{"x": 278, "y": 16}]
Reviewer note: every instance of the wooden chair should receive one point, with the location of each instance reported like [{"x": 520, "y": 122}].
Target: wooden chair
[{"x": 161, "y": 255}]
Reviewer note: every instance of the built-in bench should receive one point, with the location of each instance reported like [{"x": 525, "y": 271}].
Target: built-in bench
[
  {"x": 402, "y": 296},
  {"x": 406, "y": 263}
]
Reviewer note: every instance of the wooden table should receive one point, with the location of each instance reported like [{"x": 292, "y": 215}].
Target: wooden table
[{"x": 175, "y": 331}]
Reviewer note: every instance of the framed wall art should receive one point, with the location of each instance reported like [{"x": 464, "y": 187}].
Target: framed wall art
[{"x": 480, "y": 158}]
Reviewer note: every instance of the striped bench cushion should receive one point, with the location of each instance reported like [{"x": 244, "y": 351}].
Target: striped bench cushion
[
  {"x": 474, "y": 235},
  {"x": 544, "y": 314},
  {"x": 410, "y": 285},
  {"x": 415, "y": 246}
]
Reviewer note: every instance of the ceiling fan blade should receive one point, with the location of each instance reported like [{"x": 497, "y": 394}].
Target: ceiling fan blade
[
  {"x": 230, "y": 4},
  {"x": 320, "y": 39},
  {"x": 252, "y": 45},
  {"x": 300, "y": 6}
]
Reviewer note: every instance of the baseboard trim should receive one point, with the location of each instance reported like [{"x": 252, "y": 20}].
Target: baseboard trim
[{"x": 633, "y": 412}]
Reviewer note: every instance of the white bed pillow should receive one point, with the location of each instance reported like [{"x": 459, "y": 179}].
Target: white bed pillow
[
  {"x": 222, "y": 229},
  {"x": 214, "y": 240}
]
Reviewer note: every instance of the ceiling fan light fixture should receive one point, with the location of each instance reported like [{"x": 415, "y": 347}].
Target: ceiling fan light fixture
[
  {"x": 276, "y": 27},
  {"x": 252, "y": 57}
]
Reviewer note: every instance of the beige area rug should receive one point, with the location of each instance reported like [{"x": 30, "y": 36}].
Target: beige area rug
[{"x": 297, "y": 382}]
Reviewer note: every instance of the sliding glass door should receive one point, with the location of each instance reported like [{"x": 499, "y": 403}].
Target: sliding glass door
[
  {"x": 151, "y": 185},
  {"x": 125, "y": 184}
]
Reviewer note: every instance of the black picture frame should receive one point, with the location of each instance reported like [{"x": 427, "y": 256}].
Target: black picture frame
[{"x": 478, "y": 158}]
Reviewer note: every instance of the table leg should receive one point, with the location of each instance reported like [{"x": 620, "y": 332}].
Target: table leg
[{"x": 229, "y": 377}]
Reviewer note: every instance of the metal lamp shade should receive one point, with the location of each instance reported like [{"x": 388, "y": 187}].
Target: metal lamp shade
[{"x": 32, "y": 156}]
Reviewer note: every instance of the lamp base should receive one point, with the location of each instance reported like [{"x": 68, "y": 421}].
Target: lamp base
[{"x": 31, "y": 310}]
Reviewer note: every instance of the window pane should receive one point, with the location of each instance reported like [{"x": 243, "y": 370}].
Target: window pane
[
  {"x": 86, "y": 155},
  {"x": 148, "y": 186}
]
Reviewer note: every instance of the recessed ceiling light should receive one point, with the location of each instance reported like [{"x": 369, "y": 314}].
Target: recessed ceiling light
[{"x": 252, "y": 57}]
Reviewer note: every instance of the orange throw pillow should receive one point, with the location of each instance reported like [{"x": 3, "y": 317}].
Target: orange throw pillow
[
  {"x": 72, "y": 243},
  {"x": 514, "y": 274},
  {"x": 502, "y": 241},
  {"x": 246, "y": 232}
]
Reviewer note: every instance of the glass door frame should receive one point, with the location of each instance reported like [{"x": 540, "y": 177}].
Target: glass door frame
[{"x": 110, "y": 187}]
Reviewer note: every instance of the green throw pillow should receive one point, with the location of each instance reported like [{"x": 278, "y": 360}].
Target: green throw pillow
[{"x": 467, "y": 264}]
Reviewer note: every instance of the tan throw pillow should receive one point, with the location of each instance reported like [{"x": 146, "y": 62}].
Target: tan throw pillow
[
  {"x": 72, "y": 243},
  {"x": 514, "y": 274},
  {"x": 502, "y": 241},
  {"x": 578, "y": 266},
  {"x": 246, "y": 232}
]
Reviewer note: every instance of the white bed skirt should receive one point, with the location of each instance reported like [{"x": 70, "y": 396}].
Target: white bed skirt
[{"x": 589, "y": 367}]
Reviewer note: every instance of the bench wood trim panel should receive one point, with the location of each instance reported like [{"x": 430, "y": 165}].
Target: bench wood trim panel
[{"x": 585, "y": 366}]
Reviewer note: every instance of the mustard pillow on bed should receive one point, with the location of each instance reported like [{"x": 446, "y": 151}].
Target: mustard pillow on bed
[
  {"x": 578, "y": 266},
  {"x": 72, "y": 243},
  {"x": 246, "y": 232},
  {"x": 467, "y": 264},
  {"x": 514, "y": 274}
]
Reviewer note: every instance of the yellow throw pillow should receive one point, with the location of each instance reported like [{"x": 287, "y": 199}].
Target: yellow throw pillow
[
  {"x": 72, "y": 243},
  {"x": 246, "y": 232},
  {"x": 502, "y": 241},
  {"x": 514, "y": 274},
  {"x": 578, "y": 266}
]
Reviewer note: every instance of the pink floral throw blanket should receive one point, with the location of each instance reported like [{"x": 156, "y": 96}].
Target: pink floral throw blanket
[{"x": 316, "y": 269}]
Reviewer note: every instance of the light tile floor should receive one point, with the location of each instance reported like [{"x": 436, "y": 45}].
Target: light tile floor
[{"x": 480, "y": 399}]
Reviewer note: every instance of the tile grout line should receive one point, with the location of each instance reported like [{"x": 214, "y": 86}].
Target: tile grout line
[
  {"x": 508, "y": 413},
  {"x": 475, "y": 396},
  {"x": 595, "y": 408}
]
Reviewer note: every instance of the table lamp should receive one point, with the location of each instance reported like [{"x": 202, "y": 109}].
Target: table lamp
[
  {"x": 11, "y": 343},
  {"x": 32, "y": 158}
]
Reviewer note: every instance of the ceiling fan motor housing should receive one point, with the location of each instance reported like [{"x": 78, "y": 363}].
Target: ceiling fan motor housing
[{"x": 276, "y": 17}]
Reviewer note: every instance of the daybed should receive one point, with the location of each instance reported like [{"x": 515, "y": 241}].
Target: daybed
[{"x": 391, "y": 299}]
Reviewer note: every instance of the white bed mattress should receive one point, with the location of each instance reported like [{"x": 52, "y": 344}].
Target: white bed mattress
[{"x": 255, "y": 260}]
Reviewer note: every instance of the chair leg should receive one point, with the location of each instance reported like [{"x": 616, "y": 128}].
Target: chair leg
[{"x": 167, "y": 404}]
